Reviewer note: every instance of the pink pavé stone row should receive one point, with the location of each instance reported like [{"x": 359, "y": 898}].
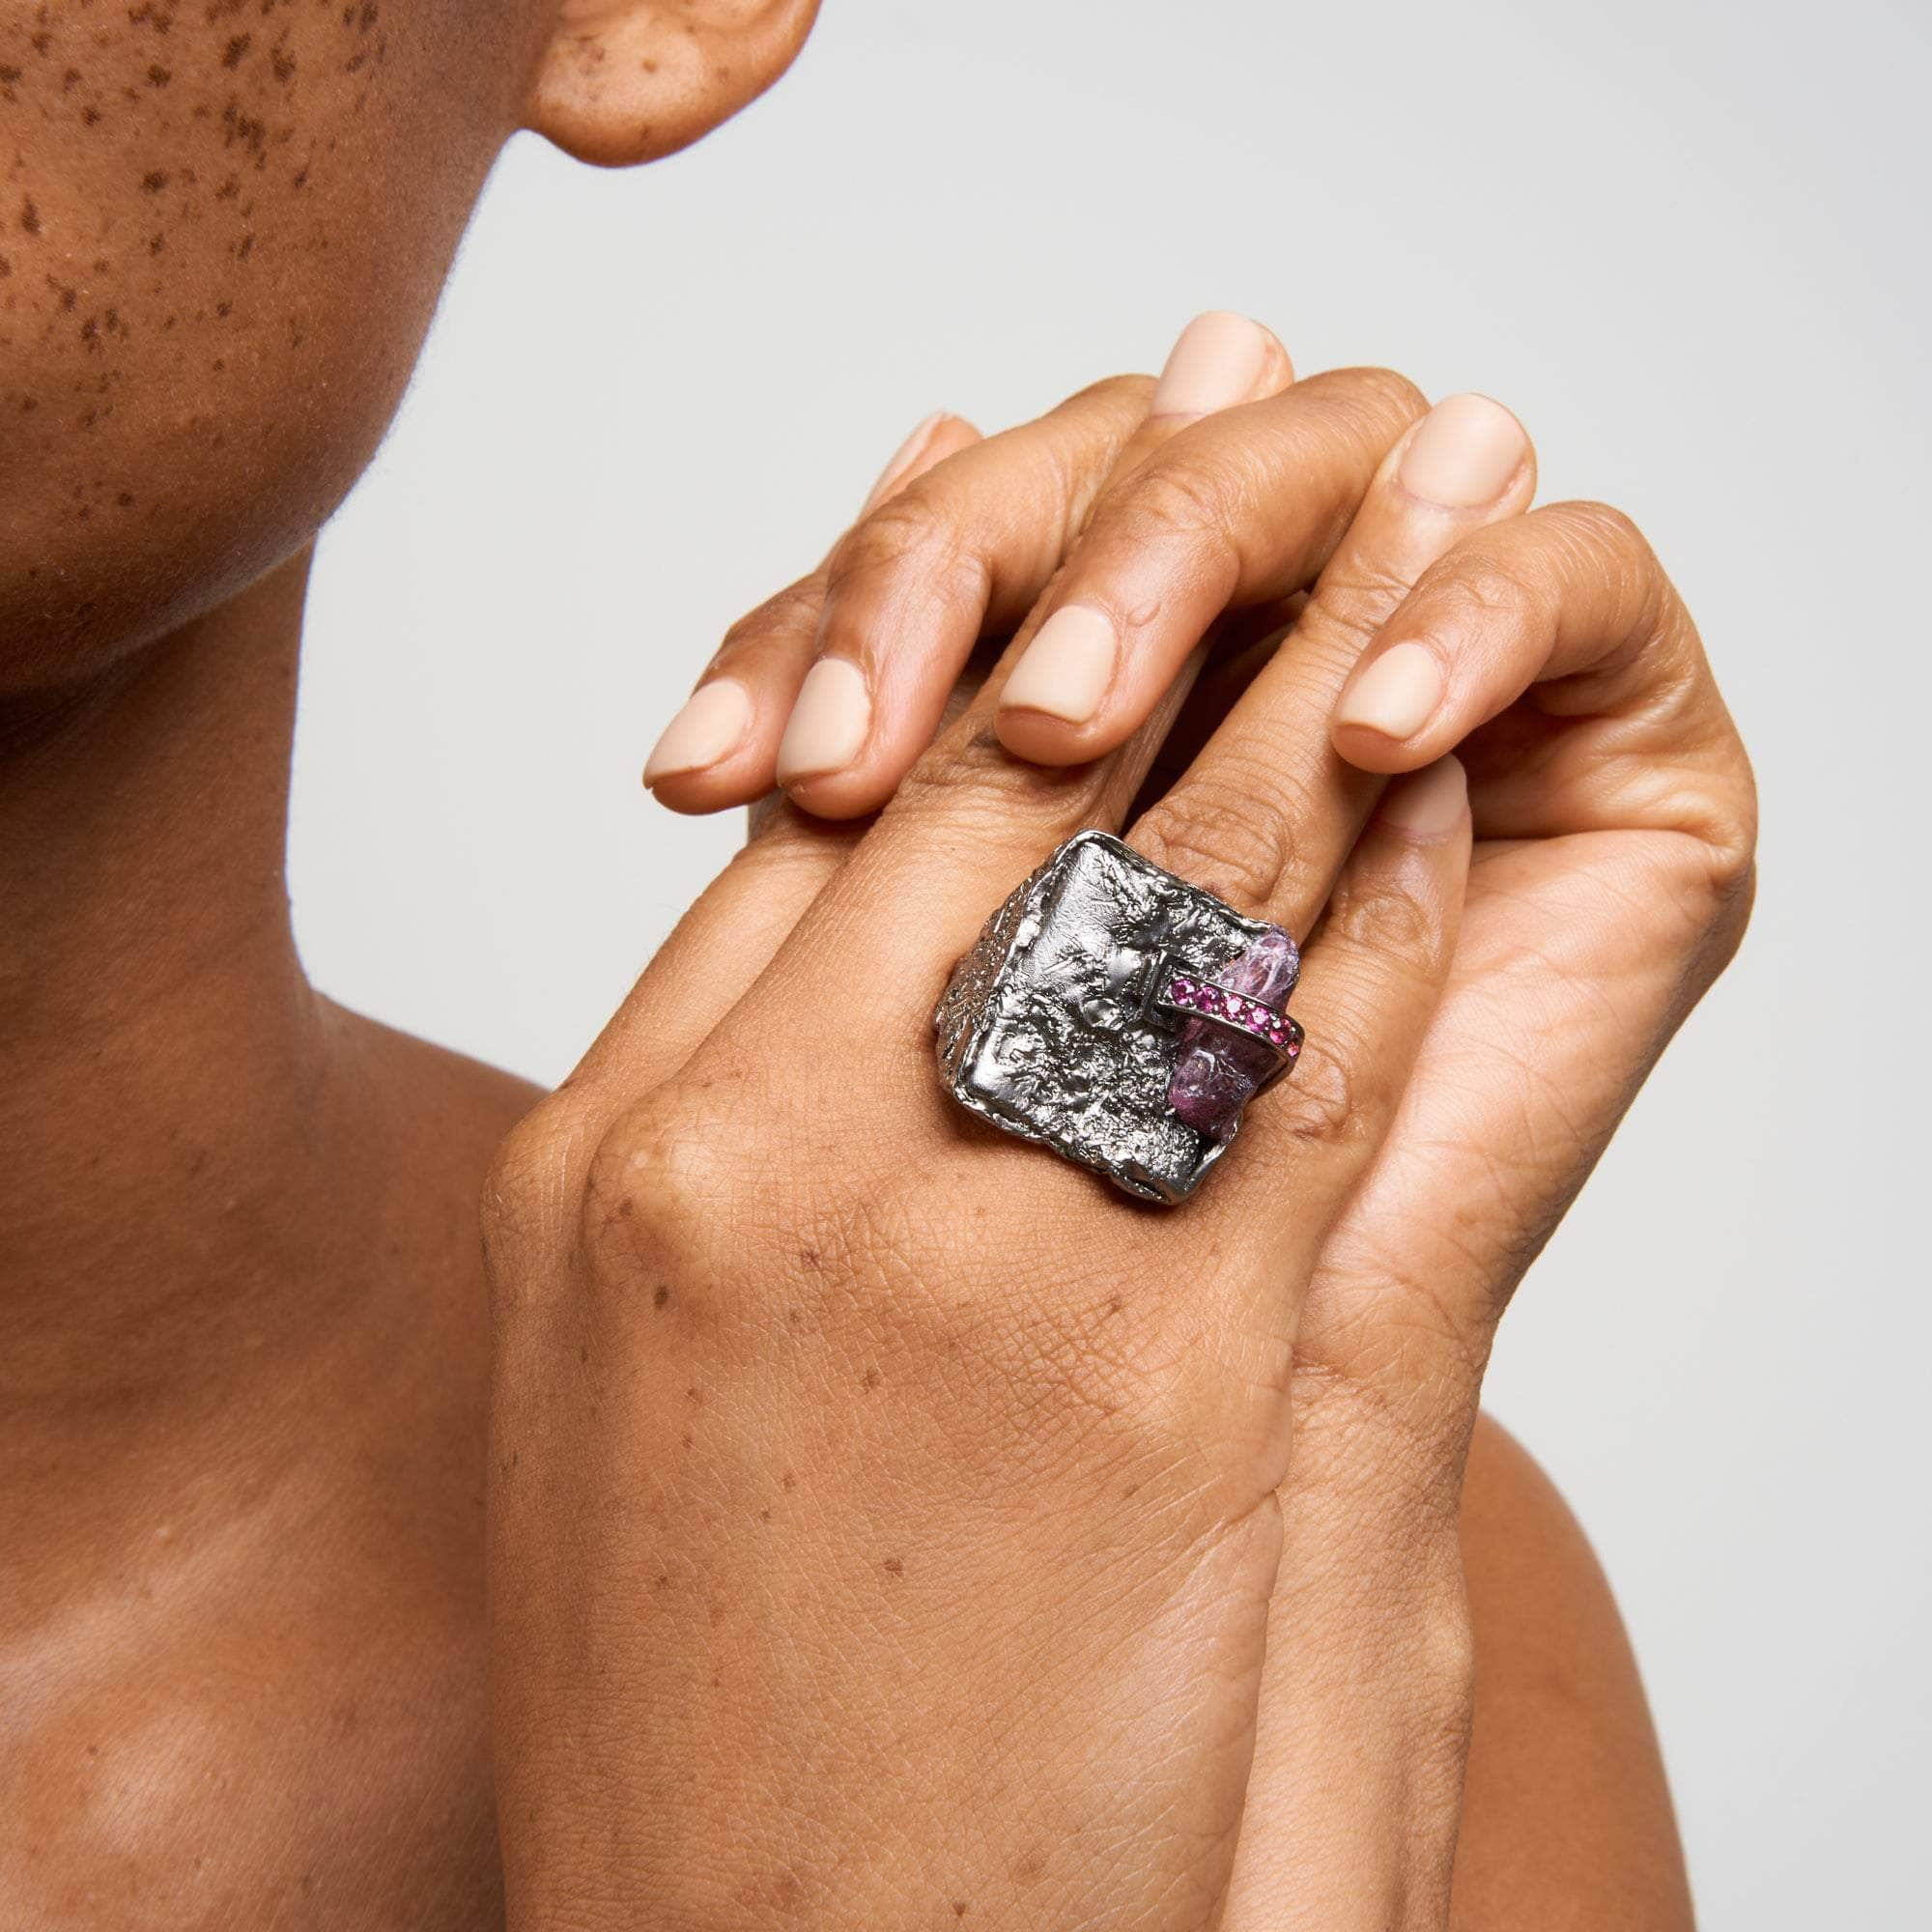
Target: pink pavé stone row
[{"x": 1202, "y": 997}]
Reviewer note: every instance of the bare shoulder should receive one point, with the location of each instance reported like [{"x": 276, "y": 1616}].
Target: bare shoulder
[{"x": 1568, "y": 1825}]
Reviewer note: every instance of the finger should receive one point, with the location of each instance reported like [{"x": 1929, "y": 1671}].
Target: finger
[
  {"x": 966, "y": 555},
  {"x": 1267, "y": 810},
  {"x": 721, "y": 747},
  {"x": 1568, "y": 616},
  {"x": 1222, "y": 517},
  {"x": 1370, "y": 984}
]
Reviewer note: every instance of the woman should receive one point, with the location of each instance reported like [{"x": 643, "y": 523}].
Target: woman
[{"x": 885, "y": 1520}]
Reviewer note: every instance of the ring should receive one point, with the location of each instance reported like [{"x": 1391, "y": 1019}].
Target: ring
[{"x": 1121, "y": 1016}]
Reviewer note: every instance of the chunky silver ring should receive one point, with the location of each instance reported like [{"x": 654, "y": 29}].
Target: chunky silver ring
[{"x": 1121, "y": 1016}]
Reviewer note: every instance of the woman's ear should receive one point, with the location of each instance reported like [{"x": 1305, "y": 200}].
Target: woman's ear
[{"x": 629, "y": 81}]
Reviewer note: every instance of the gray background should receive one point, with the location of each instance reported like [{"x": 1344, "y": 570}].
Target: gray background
[{"x": 1687, "y": 243}]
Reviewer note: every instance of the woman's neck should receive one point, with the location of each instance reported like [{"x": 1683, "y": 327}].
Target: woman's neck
[{"x": 167, "y": 1119}]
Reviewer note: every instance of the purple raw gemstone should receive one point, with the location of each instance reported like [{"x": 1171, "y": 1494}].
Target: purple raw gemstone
[{"x": 1217, "y": 1072}]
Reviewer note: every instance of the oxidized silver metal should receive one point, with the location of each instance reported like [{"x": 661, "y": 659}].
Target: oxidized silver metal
[{"x": 1058, "y": 1025}]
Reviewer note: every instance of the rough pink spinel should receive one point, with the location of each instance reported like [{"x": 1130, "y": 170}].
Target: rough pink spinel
[{"x": 1217, "y": 1070}]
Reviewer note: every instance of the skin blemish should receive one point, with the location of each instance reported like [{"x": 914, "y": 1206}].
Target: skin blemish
[
  {"x": 155, "y": 180},
  {"x": 223, "y": 310},
  {"x": 894, "y": 1567},
  {"x": 283, "y": 66},
  {"x": 788, "y": 1482},
  {"x": 126, "y": 499},
  {"x": 156, "y": 244},
  {"x": 233, "y": 54},
  {"x": 71, "y": 79},
  {"x": 245, "y": 248},
  {"x": 30, "y": 219},
  {"x": 661, "y": 1297},
  {"x": 871, "y": 1379},
  {"x": 90, "y": 116},
  {"x": 158, "y": 75}
]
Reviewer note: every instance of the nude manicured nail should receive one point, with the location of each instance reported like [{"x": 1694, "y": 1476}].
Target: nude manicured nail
[
  {"x": 1217, "y": 360},
  {"x": 1428, "y": 803},
  {"x": 711, "y": 726},
  {"x": 1397, "y": 694},
  {"x": 1464, "y": 453},
  {"x": 1066, "y": 668},
  {"x": 828, "y": 724},
  {"x": 904, "y": 458}
]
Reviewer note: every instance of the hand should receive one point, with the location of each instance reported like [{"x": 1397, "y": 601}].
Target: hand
[
  {"x": 956, "y": 543},
  {"x": 1614, "y": 821},
  {"x": 882, "y": 1512}
]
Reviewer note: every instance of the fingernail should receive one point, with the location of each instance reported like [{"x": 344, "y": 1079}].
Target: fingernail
[
  {"x": 1397, "y": 694},
  {"x": 713, "y": 722},
  {"x": 1464, "y": 453},
  {"x": 904, "y": 458},
  {"x": 828, "y": 724},
  {"x": 1215, "y": 361},
  {"x": 1427, "y": 803},
  {"x": 1066, "y": 668}
]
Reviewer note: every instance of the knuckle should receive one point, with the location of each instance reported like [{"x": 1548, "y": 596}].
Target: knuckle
[
  {"x": 1354, "y": 597},
  {"x": 793, "y": 610},
  {"x": 520, "y": 1181},
  {"x": 910, "y": 527},
  {"x": 524, "y": 1217},
  {"x": 1486, "y": 591},
  {"x": 656, "y": 1188},
  {"x": 1384, "y": 400},
  {"x": 969, "y": 777},
  {"x": 1125, "y": 392},
  {"x": 1184, "y": 498},
  {"x": 1600, "y": 548},
  {"x": 1600, "y": 528},
  {"x": 1227, "y": 832},
  {"x": 1384, "y": 919},
  {"x": 1322, "y": 1105}
]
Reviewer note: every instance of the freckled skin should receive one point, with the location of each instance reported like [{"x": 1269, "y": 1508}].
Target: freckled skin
[{"x": 229, "y": 179}]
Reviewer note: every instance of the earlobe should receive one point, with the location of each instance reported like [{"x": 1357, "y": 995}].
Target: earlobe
[{"x": 624, "y": 81}]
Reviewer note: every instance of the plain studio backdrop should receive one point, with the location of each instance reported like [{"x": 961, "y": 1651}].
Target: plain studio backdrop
[{"x": 1686, "y": 243}]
